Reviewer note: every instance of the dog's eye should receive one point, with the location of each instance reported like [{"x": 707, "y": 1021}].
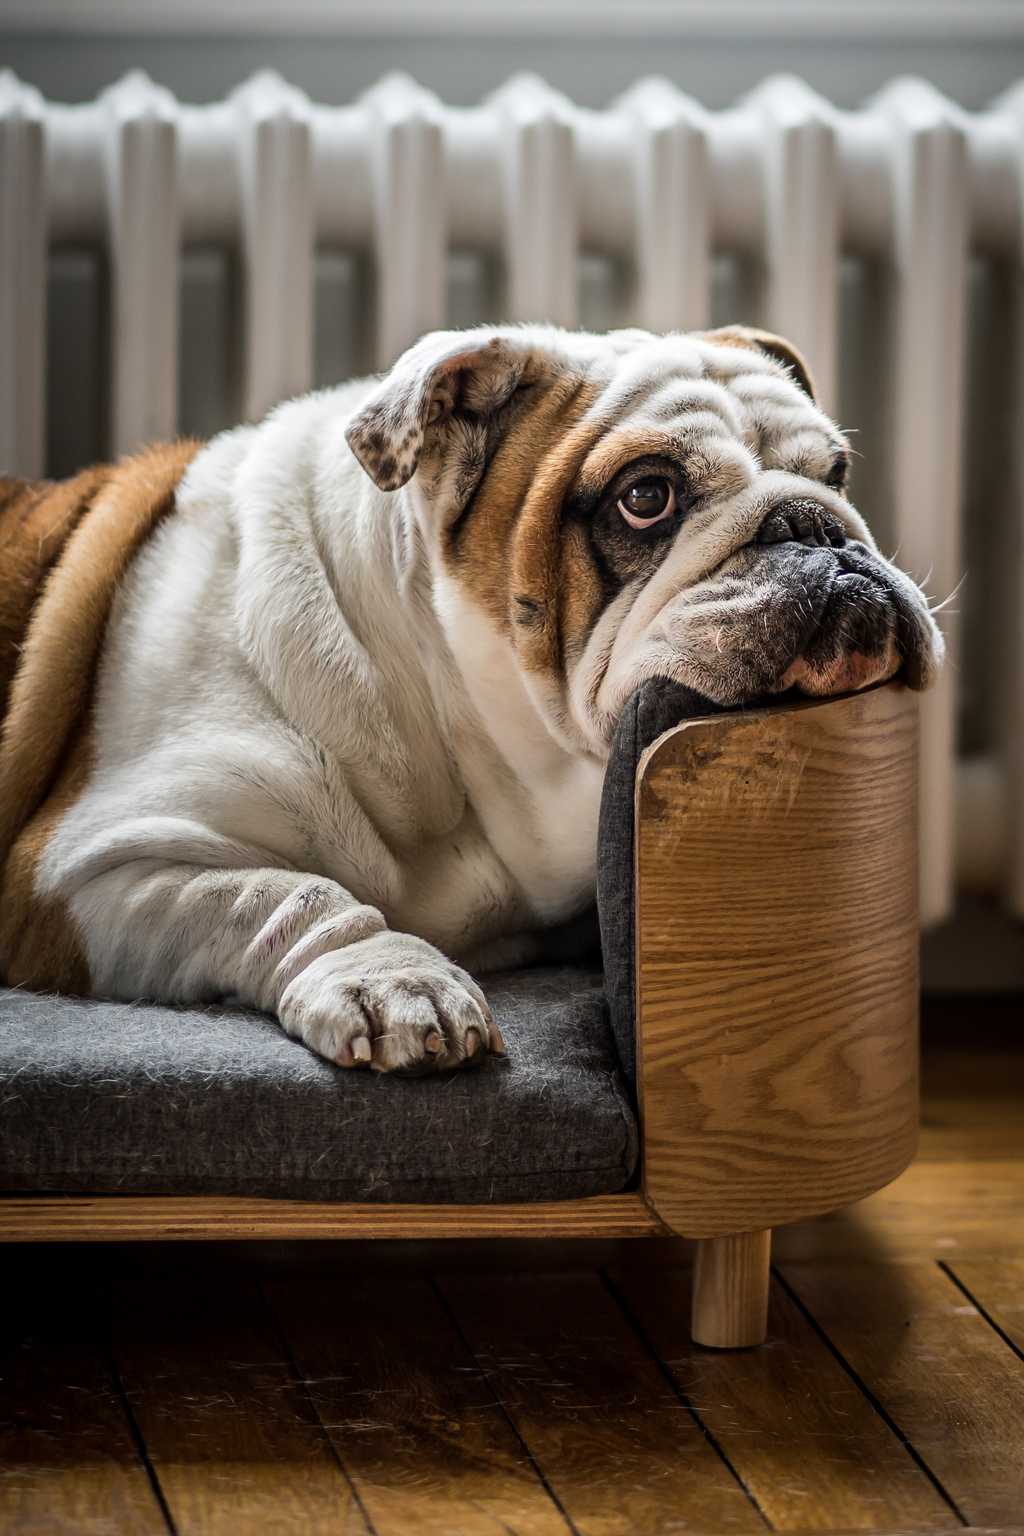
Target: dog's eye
[
  {"x": 836, "y": 477},
  {"x": 647, "y": 502}
]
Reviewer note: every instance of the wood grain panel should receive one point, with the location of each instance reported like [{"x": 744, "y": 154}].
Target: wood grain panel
[
  {"x": 799, "y": 1432},
  {"x": 938, "y": 1369},
  {"x": 69, "y": 1465},
  {"x": 410, "y": 1414},
  {"x": 997, "y": 1287},
  {"x": 621, "y": 1452},
  {"x": 127, "y": 1218},
  {"x": 777, "y": 960},
  {"x": 233, "y": 1439}
]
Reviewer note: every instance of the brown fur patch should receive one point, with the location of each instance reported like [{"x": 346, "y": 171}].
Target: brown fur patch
[
  {"x": 582, "y": 594},
  {"x": 36, "y": 519},
  {"x": 39, "y": 947},
  {"x": 70, "y": 546},
  {"x": 537, "y": 581},
  {"x": 619, "y": 447}
]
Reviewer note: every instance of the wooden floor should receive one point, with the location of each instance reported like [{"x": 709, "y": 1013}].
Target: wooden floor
[{"x": 532, "y": 1388}]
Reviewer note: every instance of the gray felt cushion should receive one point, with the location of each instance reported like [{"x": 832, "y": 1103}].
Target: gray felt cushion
[
  {"x": 653, "y": 709},
  {"x": 111, "y": 1097}
]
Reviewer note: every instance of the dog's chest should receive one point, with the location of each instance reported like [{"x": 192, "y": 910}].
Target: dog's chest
[
  {"x": 518, "y": 860},
  {"x": 545, "y": 834},
  {"x": 537, "y": 804}
]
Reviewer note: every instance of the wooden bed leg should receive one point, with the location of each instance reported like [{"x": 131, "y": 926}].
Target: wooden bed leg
[{"x": 730, "y": 1290}]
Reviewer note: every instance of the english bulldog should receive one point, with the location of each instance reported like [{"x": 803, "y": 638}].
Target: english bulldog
[{"x": 314, "y": 717}]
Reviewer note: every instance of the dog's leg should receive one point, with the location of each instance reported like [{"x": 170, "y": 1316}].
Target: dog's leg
[{"x": 298, "y": 946}]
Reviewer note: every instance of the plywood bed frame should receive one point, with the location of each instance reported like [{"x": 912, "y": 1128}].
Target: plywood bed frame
[{"x": 777, "y": 996}]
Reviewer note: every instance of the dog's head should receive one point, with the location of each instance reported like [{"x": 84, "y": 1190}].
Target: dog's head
[{"x": 614, "y": 508}]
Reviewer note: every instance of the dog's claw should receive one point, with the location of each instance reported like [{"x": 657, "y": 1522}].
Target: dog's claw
[
  {"x": 362, "y": 1050},
  {"x": 433, "y": 1044},
  {"x": 472, "y": 1042}
]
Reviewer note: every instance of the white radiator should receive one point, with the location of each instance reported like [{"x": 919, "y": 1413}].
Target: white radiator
[{"x": 911, "y": 192}]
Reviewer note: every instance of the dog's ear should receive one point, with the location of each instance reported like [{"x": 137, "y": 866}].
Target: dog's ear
[
  {"x": 447, "y": 374},
  {"x": 778, "y": 347}
]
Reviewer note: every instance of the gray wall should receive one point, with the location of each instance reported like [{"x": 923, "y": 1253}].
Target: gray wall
[{"x": 334, "y": 69}]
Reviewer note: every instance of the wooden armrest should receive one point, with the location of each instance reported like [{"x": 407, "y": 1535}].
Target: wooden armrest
[{"x": 777, "y": 964}]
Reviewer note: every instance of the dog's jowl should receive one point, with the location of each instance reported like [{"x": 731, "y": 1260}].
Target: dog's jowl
[{"x": 315, "y": 717}]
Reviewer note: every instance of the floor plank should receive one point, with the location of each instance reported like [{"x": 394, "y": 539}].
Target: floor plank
[
  {"x": 68, "y": 1458},
  {"x": 231, "y": 1434},
  {"x": 621, "y": 1451},
  {"x": 941, "y": 1209},
  {"x": 801, "y": 1435},
  {"x": 410, "y": 1414},
  {"x": 997, "y": 1288},
  {"x": 947, "y": 1380}
]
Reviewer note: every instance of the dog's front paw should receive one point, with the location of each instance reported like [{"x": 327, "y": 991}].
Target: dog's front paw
[{"x": 391, "y": 1002}]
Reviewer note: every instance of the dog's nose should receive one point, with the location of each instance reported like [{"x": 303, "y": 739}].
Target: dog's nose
[{"x": 801, "y": 521}]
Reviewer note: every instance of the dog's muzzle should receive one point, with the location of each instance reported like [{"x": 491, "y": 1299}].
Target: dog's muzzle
[
  {"x": 802, "y": 604},
  {"x": 862, "y": 620}
]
